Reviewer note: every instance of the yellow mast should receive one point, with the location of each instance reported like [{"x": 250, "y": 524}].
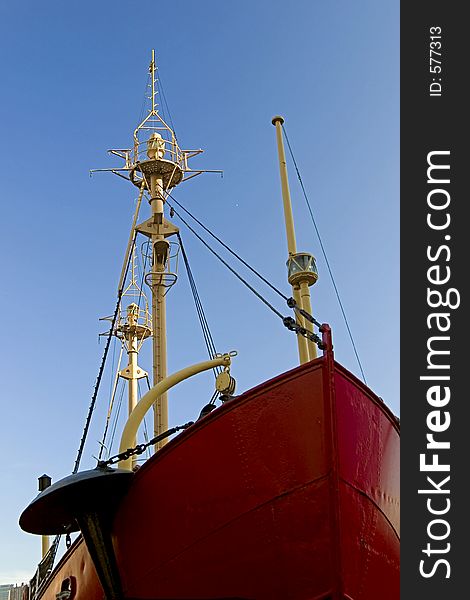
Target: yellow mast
[
  {"x": 160, "y": 171},
  {"x": 155, "y": 164},
  {"x": 158, "y": 163},
  {"x": 302, "y": 272}
]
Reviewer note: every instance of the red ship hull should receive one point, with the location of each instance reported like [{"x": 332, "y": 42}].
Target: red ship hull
[{"x": 290, "y": 491}]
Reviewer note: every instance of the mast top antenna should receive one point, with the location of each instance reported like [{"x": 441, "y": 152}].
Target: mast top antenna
[
  {"x": 155, "y": 149},
  {"x": 153, "y": 71}
]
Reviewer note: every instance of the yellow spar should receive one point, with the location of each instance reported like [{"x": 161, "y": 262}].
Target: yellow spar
[
  {"x": 137, "y": 415},
  {"x": 302, "y": 271}
]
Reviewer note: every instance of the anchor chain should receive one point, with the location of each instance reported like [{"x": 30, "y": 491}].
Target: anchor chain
[{"x": 140, "y": 448}]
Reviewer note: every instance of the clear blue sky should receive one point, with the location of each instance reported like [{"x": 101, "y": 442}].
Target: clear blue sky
[{"x": 73, "y": 78}]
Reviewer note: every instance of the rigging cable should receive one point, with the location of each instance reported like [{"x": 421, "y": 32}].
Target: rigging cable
[
  {"x": 111, "y": 383},
  {"x": 102, "y": 365},
  {"x": 132, "y": 238},
  {"x": 290, "y": 301},
  {"x": 116, "y": 418},
  {"x": 160, "y": 82},
  {"x": 125, "y": 269},
  {"x": 144, "y": 265},
  {"x": 209, "y": 341},
  {"x": 324, "y": 255},
  {"x": 114, "y": 385},
  {"x": 105, "y": 354},
  {"x": 144, "y": 99},
  {"x": 117, "y": 375},
  {"x": 146, "y": 434},
  {"x": 257, "y": 294},
  {"x": 206, "y": 229},
  {"x": 288, "y": 322}
]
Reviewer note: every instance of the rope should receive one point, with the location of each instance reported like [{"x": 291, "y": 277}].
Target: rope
[
  {"x": 114, "y": 385},
  {"x": 325, "y": 256},
  {"x": 131, "y": 241},
  {"x": 257, "y": 294},
  {"x": 291, "y": 303},
  {"x": 211, "y": 349},
  {"x": 116, "y": 418},
  {"x": 143, "y": 275},
  {"x": 144, "y": 99},
  {"x": 214, "y": 397},
  {"x": 101, "y": 369},
  {"x": 160, "y": 82},
  {"x": 146, "y": 434},
  {"x": 287, "y": 321},
  {"x": 209, "y": 341},
  {"x": 268, "y": 283}
]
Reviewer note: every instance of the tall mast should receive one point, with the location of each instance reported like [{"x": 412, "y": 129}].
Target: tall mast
[
  {"x": 301, "y": 267},
  {"x": 156, "y": 164},
  {"x": 160, "y": 170}
]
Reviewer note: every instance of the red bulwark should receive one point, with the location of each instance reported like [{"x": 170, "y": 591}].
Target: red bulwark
[{"x": 289, "y": 492}]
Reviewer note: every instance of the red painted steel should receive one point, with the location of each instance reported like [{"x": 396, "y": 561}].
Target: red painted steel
[
  {"x": 77, "y": 564},
  {"x": 369, "y": 457},
  {"x": 289, "y": 492}
]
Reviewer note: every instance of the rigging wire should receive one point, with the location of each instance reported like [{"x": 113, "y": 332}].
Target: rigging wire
[
  {"x": 324, "y": 255},
  {"x": 290, "y": 301},
  {"x": 114, "y": 385},
  {"x": 144, "y": 99},
  {"x": 288, "y": 322},
  {"x": 214, "y": 397},
  {"x": 140, "y": 288},
  {"x": 143, "y": 275},
  {"x": 209, "y": 341},
  {"x": 91, "y": 408},
  {"x": 117, "y": 377},
  {"x": 162, "y": 105},
  {"x": 250, "y": 287},
  {"x": 111, "y": 382},
  {"x": 248, "y": 266},
  {"x": 146, "y": 435},
  {"x": 116, "y": 418},
  {"x": 159, "y": 79},
  {"x": 102, "y": 365},
  {"x": 132, "y": 238}
]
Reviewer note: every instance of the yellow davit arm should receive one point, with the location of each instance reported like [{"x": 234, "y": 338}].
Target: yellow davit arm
[{"x": 137, "y": 415}]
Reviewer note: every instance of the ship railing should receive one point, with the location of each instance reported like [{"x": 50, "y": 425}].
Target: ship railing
[
  {"x": 139, "y": 316},
  {"x": 170, "y": 275},
  {"x": 43, "y": 571},
  {"x": 172, "y": 153},
  {"x": 170, "y": 147}
]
